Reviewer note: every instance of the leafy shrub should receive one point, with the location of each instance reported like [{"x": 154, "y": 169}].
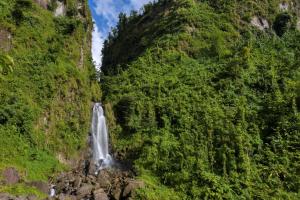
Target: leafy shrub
[
  {"x": 17, "y": 15},
  {"x": 6, "y": 64},
  {"x": 52, "y": 5},
  {"x": 282, "y": 23},
  {"x": 22, "y": 4},
  {"x": 66, "y": 25}
]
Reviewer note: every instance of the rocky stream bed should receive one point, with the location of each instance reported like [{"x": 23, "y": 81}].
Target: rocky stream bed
[{"x": 114, "y": 183}]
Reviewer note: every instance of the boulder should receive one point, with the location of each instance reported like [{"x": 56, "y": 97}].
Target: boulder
[
  {"x": 116, "y": 193},
  {"x": 84, "y": 191},
  {"x": 100, "y": 195},
  {"x": 11, "y": 176},
  {"x": 92, "y": 169},
  {"x": 41, "y": 186},
  {"x": 260, "y": 23},
  {"x": 131, "y": 186},
  {"x": 103, "y": 179}
]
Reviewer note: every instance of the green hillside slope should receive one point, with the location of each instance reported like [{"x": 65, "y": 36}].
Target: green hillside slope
[
  {"x": 204, "y": 103},
  {"x": 47, "y": 82}
]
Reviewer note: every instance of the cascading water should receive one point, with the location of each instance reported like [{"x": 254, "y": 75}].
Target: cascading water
[{"x": 99, "y": 139}]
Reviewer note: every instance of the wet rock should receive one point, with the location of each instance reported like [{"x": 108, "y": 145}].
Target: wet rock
[
  {"x": 11, "y": 176},
  {"x": 116, "y": 193},
  {"x": 103, "y": 179},
  {"x": 41, "y": 186},
  {"x": 131, "y": 186},
  {"x": 260, "y": 23},
  {"x": 99, "y": 194},
  {"x": 92, "y": 169},
  {"x": 84, "y": 191}
]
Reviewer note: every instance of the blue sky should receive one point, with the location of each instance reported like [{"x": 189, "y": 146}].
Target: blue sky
[{"x": 105, "y": 14}]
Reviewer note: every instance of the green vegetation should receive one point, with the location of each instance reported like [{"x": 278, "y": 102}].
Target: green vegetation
[
  {"x": 21, "y": 189},
  {"x": 205, "y": 105},
  {"x": 45, "y": 87},
  {"x": 6, "y": 64}
]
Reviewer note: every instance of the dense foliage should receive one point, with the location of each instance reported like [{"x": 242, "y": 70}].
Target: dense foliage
[
  {"x": 47, "y": 82},
  {"x": 205, "y": 105}
]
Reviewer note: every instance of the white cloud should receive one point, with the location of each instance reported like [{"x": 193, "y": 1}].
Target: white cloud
[
  {"x": 97, "y": 45},
  {"x": 107, "y": 9}
]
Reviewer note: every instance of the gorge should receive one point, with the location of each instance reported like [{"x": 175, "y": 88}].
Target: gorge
[{"x": 200, "y": 99}]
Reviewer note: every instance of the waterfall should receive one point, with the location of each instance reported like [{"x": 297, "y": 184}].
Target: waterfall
[{"x": 99, "y": 139}]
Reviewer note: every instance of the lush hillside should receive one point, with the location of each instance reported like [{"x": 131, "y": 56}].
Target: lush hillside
[
  {"x": 204, "y": 98},
  {"x": 47, "y": 83}
]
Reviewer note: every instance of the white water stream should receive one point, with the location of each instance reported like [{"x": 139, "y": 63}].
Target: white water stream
[
  {"x": 99, "y": 143},
  {"x": 99, "y": 139}
]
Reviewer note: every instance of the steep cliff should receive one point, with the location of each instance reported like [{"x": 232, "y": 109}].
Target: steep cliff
[
  {"x": 203, "y": 98},
  {"x": 47, "y": 84}
]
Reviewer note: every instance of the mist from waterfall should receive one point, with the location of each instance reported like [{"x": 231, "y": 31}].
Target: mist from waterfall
[{"x": 99, "y": 139}]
